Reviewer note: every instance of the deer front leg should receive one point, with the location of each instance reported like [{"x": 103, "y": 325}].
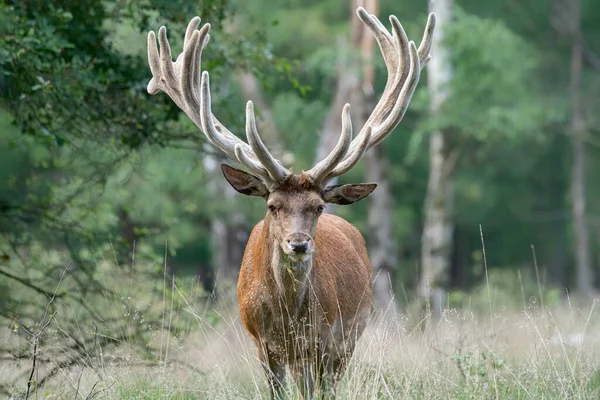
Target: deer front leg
[
  {"x": 324, "y": 375},
  {"x": 338, "y": 369},
  {"x": 302, "y": 374},
  {"x": 275, "y": 370}
]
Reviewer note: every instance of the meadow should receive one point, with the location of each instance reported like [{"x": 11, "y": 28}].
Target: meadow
[{"x": 499, "y": 341}]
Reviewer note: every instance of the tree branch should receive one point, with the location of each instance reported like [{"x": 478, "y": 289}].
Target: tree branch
[
  {"x": 38, "y": 337},
  {"x": 31, "y": 285}
]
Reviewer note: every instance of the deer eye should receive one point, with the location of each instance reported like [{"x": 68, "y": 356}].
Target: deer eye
[
  {"x": 272, "y": 208},
  {"x": 320, "y": 209}
]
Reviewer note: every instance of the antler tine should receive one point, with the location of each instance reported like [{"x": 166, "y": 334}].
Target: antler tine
[
  {"x": 402, "y": 101},
  {"x": 276, "y": 171},
  {"x": 353, "y": 159},
  {"x": 166, "y": 60},
  {"x": 208, "y": 126},
  {"x": 425, "y": 46},
  {"x": 153, "y": 61},
  {"x": 191, "y": 28},
  {"x": 189, "y": 76},
  {"x": 320, "y": 171},
  {"x": 252, "y": 165},
  {"x": 383, "y": 37},
  {"x": 184, "y": 83},
  {"x": 399, "y": 74}
]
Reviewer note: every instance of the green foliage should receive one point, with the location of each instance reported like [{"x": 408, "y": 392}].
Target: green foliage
[
  {"x": 89, "y": 127},
  {"x": 62, "y": 83},
  {"x": 492, "y": 90},
  {"x": 594, "y": 383},
  {"x": 300, "y": 120},
  {"x": 491, "y": 83}
]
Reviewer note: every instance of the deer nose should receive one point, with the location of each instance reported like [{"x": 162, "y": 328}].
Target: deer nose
[
  {"x": 299, "y": 247},
  {"x": 298, "y": 243}
]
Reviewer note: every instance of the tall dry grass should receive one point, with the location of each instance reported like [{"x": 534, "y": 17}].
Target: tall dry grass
[{"x": 198, "y": 350}]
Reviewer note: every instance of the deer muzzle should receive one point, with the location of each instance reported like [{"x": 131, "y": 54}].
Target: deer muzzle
[{"x": 299, "y": 246}]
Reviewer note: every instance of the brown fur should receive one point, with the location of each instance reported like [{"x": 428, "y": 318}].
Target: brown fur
[
  {"x": 313, "y": 319},
  {"x": 341, "y": 272},
  {"x": 298, "y": 183}
]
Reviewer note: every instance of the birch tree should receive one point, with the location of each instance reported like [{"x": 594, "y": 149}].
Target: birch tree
[
  {"x": 438, "y": 226},
  {"x": 585, "y": 282},
  {"x": 566, "y": 18}
]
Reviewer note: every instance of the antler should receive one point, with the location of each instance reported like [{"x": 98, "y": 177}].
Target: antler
[
  {"x": 404, "y": 63},
  {"x": 190, "y": 90}
]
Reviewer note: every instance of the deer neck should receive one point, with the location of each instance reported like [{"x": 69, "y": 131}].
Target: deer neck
[{"x": 291, "y": 278}]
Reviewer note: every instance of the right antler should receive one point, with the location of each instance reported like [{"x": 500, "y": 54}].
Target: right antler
[
  {"x": 190, "y": 90},
  {"x": 404, "y": 63}
]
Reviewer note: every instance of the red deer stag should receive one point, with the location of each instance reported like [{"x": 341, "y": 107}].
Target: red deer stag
[{"x": 304, "y": 289}]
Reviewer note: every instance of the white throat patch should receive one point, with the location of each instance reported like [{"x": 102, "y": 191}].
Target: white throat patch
[{"x": 291, "y": 273}]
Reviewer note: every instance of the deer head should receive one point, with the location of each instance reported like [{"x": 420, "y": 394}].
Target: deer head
[{"x": 294, "y": 201}]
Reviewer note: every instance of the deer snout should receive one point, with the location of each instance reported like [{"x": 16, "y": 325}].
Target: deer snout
[
  {"x": 299, "y": 247},
  {"x": 299, "y": 243}
]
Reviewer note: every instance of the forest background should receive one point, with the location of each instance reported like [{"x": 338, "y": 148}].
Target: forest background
[{"x": 109, "y": 192}]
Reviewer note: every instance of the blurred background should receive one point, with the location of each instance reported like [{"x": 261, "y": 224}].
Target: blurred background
[{"x": 490, "y": 178}]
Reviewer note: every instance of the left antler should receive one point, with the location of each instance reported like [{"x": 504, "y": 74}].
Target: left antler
[{"x": 404, "y": 63}]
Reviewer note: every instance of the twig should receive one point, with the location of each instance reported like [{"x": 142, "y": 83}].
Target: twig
[
  {"x": 79, "y": 382},
  {"x": 38, "y": 336},
  {"x": 590, "y": 56},
  {"x": 537, "y": 276},
  {"x": 28, "y": 284},
  {"x": 92, "y": 395},
  {"x": 92, "y": 390},
  {"x": 487, "y": 278}
]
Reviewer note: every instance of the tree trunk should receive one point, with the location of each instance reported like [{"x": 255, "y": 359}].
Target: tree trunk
[
  {"x": 436, "y": 250},
  {"x": 228, "y": 236},
  {"x": 558, "y": 182},
  {"x": 381, "y": 245},
  {"x": 228, "y": 232},
  {"x": 127, "y": 227},
  {"x": 350, "y": 86},
  {"x": 347, "y": 84},
  {"x": 578, "y": 173}
]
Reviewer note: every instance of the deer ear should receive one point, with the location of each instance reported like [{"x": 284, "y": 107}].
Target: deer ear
[
  {"x": 244, "y": 182},
  {"x": 347, "y": 194}
]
